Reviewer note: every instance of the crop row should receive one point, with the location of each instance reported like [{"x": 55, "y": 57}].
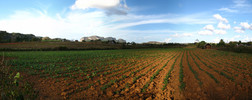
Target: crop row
[
  {"x": 154, "y": 75},
  {"x": 220, "y": 72}
]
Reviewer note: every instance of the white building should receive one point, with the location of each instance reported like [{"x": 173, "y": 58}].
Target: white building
[
  {"x": 121, "y": 41},
  {"x": 95, "y": 38},
  {"x": 84, "y": 39},
  {"x": 107, "y": 39}
]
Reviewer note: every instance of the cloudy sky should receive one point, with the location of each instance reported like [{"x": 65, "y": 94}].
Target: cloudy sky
[{"x": 178, "y": 21}]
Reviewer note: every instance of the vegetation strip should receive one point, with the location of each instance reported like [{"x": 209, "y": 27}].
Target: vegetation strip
[
  {"x": 193, "y": 71},
  {"x": 117, "y": 80},
  {"x": 236, "y": 68},
  {"x": 154, "y": 76},
  {"x": 112, "y": 81},
  {"x": 127, "y": 85},
  {"x": 181, "y": 74},
  {"x": 221, "y": 73},
  {"x": 168, "y": 75},
  {"x": 209, "y": 74}
]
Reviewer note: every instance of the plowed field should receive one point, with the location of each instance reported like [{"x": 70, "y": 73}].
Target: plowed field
[{"x": 137, "y": 74}]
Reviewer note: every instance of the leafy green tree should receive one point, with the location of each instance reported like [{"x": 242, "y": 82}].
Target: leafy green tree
[
  {"x": 249, "y": 43},
  {"x": 239, "y": 42},
  {"x": 201, "y": 44},
  {"x": 232, "y": 44},
  {"x": 221, "y": 43},
  {"x": 133, "y": 43}
]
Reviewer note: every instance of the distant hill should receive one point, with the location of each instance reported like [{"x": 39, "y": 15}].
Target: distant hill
[
  {"x": 99, "y": 38},
  {"x": 6, "y": 37},
  {"x": 154, "y": 42},
  {"x": 24, "y": 42}
]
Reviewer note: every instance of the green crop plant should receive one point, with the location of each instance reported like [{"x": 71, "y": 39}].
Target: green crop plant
[
  {"x": 127, "y": 85},
  {"x": 79, "y": 80},
  {"x": 168, "y": 75},
  {"x": 154, "y": 75},
  {"x": 93, "y": 74},
  {"x": 220, "y": 72},
  {"x": 89, "y": 85},
  {"x": 123, "y": 65},
  {"x": 193, "y": 71},
  {"x": 231, "y": 65},
  {"x": 109, "y": 84},
  {"x": 209, "y": 74},
  {"x": 181, "y": 74},
  {"x": 227, "y": 76}
]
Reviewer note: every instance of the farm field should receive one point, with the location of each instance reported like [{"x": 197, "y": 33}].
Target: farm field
[{"x": 175, "y": 73}]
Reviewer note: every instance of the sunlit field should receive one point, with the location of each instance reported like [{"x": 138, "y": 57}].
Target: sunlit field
[
  {"x": 125, "y": 49},
  {"x": 137, "y": 73}
]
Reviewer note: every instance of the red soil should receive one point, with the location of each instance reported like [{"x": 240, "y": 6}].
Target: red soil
[{"x": 208, "y": 89}]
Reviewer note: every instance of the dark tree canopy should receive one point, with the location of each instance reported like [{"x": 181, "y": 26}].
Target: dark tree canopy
[
  {"x": 6, "y": 37},
  {"x": 201, "y": 44},
  {"x": 221, "y": 43}
]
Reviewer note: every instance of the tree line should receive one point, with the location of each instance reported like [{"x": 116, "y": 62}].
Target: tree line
[
  {"x": 236, "y": 46},
  {"x": 6, "y": 37}
]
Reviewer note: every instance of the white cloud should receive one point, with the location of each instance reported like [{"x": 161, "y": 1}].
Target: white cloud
[
  {"x": 238, "y": 6},
  {"x": 206, "y": 32},
  {"x": 239, "y": 29},
  {"x": 223, "y": 26},
  {"x": 234, "y": 22},
  {"x": 125, "y": 25},
  {"x": 182, "y": 35},
  {"x": 245, "y": 25},
  {"x": 72, "y": 26},
  {"x": 167, "y": 40},
  {"x": 241, "y": 4},
  {"x": 111, "y": 7},
  {"x": 103, "y": 4},
  {"x": 216, "y": 40},
  {"x": 164, "y": 19},
  {"x": 247, "y": 39},
  {"x": 218, "y": 17},
  {"x": 227, "y": 10},
  {"x": 75, "y": 25},
  {"x": 220, "y": 31},
  {"x": 235, "y": 38},
  {"x": 209, "y": 27},
  {"x": 187, "y": 34}
]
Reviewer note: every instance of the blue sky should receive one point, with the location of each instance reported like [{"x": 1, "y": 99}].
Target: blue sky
[{"x": 179, "y": 21}]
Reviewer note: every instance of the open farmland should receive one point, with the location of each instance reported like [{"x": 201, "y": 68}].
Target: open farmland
[{"x": 137, "y": 73}]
